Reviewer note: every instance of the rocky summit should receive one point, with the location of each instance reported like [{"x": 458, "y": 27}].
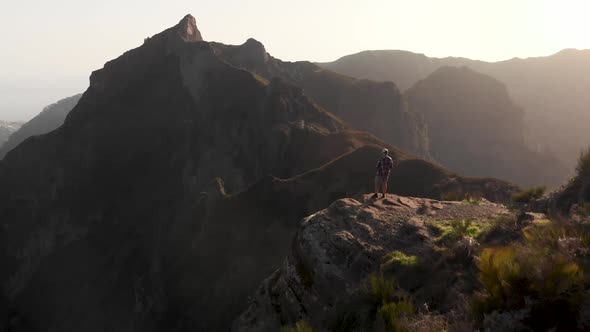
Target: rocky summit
[
  {"x": 187, "y": 29},
  {"x": 174, "y": 185}
]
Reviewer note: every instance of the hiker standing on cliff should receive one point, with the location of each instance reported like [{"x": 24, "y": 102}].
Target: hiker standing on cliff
[{"x": 384, "y": 166}]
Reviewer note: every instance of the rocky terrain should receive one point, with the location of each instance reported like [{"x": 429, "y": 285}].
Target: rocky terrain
[
  {"x": 476, "y": 129},
  {"x": 49, "y": 119},
  {"x": 172, "y": 188},
  {"x": 551, "y": 89},
  {"x": 415, "y": 264},
  {"x": 337, "y": 249},
  {"x": 410, "y": 264}
]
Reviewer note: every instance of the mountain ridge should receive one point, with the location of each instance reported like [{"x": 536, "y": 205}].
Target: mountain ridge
[
  {"x": 159, "y": 205},
  {"x": 550, "y": 88},
  {"x": 50, "y": 118},
  {"x": 378, "y": 108}
]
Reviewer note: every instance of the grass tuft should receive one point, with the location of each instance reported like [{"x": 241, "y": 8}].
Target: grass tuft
[
  {"x": 391, "y": 314},
  {"x": 301, "y": 326},
  {"x": 454, "y": 230},
  {"x": 398, "y": 258}
]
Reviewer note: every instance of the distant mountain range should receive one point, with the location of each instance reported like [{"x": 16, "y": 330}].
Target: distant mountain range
[
  {"x": 552, "y": 90},
  {"x": 49, "y": 119},
  {"x": 177, "y": 181},
  {"x": 7, "y": 129},
  {"x": 476, "y": 129},
  {"x": 375, "y": 107}
]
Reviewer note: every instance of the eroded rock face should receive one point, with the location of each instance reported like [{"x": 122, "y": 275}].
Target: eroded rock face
[
  {"x": 187, "y": 29},
  {"x": 336, "y": 249}
]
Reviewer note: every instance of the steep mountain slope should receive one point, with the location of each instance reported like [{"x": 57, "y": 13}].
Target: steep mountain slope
[
  {"x": 376, "y": 107},
  {"x": 7, "y": 129},
  {"x": 551, "y": 89},
  {"x": 152, "y": 209},
  {"x": 49, "y": 119},
  {"x": 476, "y": 129}
]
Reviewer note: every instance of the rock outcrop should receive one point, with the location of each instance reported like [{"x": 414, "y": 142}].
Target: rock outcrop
[
  {"x": 48, "y": 120},
  {"x": 187, "y": 29},
  {"x": 335, "y": 250}
]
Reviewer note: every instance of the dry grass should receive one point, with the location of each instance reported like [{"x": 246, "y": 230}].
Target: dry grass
[{"x": 544, "y": 276}]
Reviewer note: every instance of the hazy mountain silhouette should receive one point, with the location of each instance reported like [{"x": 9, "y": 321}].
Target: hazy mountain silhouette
[
  {"x": 552, "y": 89},
  {"x": 476, "y": 129},
  {"x": 376, "y": 107},
  {"x": 159, "y": 206},
  {"x": 49, "y": 119},
  {"x": 7, "y": 129}
]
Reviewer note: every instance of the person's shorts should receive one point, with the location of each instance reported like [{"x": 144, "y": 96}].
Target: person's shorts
[{"x": 380, "y": 180}]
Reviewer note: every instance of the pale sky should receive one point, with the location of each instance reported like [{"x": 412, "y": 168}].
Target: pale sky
[{"x": 49, "y": 48}]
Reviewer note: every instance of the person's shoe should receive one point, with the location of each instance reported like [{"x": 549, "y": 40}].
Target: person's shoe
[
  {"x": 383, "y": 196},
  {"x": 374, "y": 196}
]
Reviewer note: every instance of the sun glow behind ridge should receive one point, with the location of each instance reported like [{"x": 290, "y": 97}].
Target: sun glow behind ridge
[{"x": 567, "y": 23}]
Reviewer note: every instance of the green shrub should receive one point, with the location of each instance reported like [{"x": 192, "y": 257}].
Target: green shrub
[
  {"x": 528, "y": 195},
  {"x": 398, "y": 258},
  {"x": 544, "y": 275},
  {"x": 301, "y": 326},
  {"x": 390, "y": 315},
  {"x": 381, "y": 306},
  {"x": 454, "y": 230},
  {"x": 470, "y": 198},
  {"x": 381, "y": 289}
]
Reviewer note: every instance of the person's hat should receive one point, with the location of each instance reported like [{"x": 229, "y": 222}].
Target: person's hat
[{"x": 385, "y": 151}]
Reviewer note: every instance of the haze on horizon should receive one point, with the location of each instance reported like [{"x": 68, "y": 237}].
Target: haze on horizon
[{"x": 50, "y": 48}]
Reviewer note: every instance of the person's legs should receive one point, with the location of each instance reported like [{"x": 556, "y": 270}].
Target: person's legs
[
  {"x": 377, "y": 185},
  {"x": 384, "y": 186}
]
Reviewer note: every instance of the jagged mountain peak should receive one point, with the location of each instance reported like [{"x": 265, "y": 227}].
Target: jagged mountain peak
[{"x": 187, "y": 29}]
